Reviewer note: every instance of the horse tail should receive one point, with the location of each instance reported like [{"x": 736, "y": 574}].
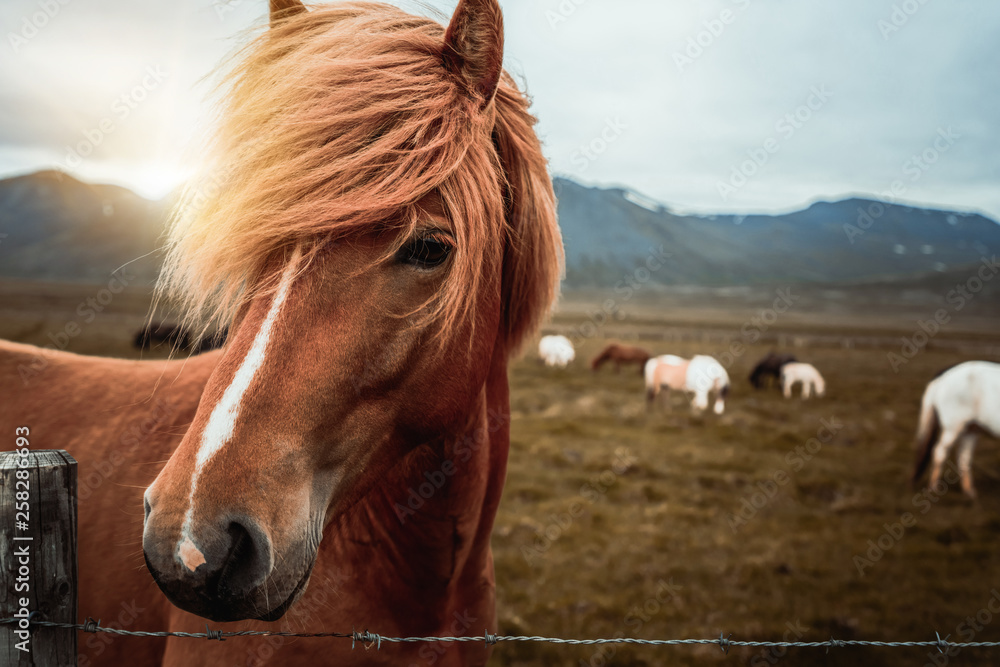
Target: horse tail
[{"x": 928, "y": 430}]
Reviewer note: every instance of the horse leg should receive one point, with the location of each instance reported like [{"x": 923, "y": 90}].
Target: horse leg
[
  {"x": 941, "y": 451},
  {"x": 965, "y": 448},
  {"x": 720, "y": 404},
  {"x": 786, "y": 387},
  {"x": 806, "y": 389}
]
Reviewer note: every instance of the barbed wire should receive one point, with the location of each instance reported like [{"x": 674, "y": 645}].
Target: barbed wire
[{"x": 369, "y": 639}]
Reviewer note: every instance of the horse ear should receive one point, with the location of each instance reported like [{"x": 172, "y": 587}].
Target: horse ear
[
  {"x": 473, "y": 47},
  {"x": 283, "y": 9}
]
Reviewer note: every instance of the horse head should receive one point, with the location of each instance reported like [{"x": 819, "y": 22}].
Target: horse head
[{"x": 383, "y": 240}]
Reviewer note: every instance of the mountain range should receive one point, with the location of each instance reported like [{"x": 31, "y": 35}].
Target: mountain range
[{"x": 54, "y": 227}]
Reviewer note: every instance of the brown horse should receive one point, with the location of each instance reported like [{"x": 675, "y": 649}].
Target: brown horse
[
  {"x": 620, "y": 354},
  {"x": 383, "y": 241}
]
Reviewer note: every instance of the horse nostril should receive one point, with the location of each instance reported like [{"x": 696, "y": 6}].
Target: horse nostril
[{"x": 248, "y": 562}]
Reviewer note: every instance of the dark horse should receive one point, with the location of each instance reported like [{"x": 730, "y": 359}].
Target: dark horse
[
  {"x": 769, "y": 366},
  {"x": 155, "y": 334},
  {"x": 621, "y": 354}
]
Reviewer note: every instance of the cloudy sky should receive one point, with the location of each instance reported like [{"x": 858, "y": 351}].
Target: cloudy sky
[{"x": 711, "y": 106}]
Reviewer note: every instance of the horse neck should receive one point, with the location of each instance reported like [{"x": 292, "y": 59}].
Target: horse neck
[{"x": 427, "y": 524}]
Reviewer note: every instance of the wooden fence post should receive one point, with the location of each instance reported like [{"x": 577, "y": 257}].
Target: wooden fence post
[{"x": 37, "y": 556}]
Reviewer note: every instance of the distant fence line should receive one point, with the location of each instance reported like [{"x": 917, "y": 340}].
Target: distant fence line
[{"x": 722, "y": 337}]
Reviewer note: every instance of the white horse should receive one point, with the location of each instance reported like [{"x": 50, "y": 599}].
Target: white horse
[
  {"x": 556, "y": 351},
  {"x": 957, "y": 404},
  {"x": 701, "y": 375},
  {"x": 806, "y": 374}
]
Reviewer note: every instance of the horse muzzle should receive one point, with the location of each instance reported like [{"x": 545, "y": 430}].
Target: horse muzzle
[{"x": 223, "y": 571}]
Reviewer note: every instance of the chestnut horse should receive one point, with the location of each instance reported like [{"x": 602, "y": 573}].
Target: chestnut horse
[
  {"x": 383, "y": 240},
  {"x": 621, "y": 354}
]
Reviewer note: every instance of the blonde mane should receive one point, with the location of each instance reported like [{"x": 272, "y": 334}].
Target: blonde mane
[{"x": 338, "y": 121}]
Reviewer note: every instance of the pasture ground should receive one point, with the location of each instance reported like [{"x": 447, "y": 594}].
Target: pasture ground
[{"x": 618, "y": 520}]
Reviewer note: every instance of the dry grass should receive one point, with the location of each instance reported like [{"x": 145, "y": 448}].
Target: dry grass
[{"x": 668, "y": 517}]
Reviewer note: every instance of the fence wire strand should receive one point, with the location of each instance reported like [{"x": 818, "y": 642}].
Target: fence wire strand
[{"x": 369, "y": 639}]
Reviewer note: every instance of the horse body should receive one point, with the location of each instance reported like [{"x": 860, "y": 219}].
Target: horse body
[
  {"x": 956, "y": 404},
  {"x": 556, "y": 351},
  {"x": 707, "y": 376},
  {"x": 769, "y": 366},
  {"x": 621, "y": 354},
  {"x": 338, "y": 465},
  {"x": 701, "y": 375},
  {"x": 664, "y": 373},
  {"x": 805, "y": 374},
  {"x": 120, "y": 420}
]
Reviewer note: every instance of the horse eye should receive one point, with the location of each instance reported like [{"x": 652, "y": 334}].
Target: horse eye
[{"x": 425, "y": 252}]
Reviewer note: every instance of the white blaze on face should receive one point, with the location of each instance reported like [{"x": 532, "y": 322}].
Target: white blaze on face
[{"x": 222, "y": 421}]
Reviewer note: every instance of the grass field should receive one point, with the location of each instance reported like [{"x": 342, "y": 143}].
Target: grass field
[{"x": 619, "y": 521}]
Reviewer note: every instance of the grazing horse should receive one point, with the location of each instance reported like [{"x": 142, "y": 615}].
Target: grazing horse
[
  {"x": 664, "y": 373},
  {"x": 769, "y": 366},
  {"x": 701, "y": 375},
  {"x": 382, "y": 240},
  {"x": 556, "y": 351},
  {"x": 805, "y": 374},
  {"x": 957, "y": 404},
  {"x": 621, "y": 354}
]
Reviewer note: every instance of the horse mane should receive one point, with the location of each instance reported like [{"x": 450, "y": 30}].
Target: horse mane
[{"x": 337, "y": 121}]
